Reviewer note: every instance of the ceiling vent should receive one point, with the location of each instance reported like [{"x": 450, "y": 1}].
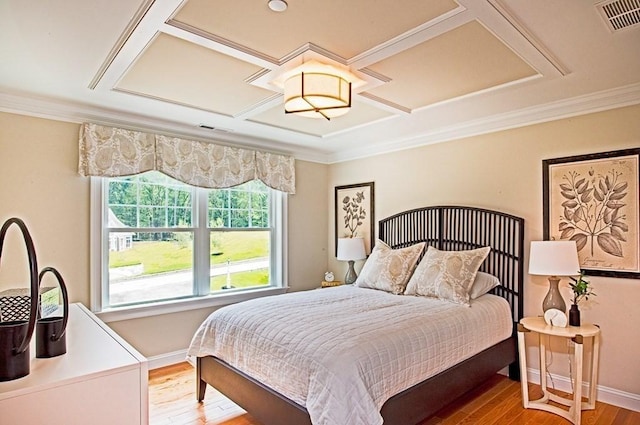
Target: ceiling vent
[
  {"x": 620, "y": 14},
  {"x": 216, "y": 129}
]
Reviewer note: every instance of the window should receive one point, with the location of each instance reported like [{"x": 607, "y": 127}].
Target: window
[{"x": 162, "y": 241}]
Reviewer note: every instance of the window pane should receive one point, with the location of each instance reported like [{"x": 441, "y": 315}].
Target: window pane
[
  {"x": 239, "y": 259},
  {"x": 260, "y": 218},
  {"x": 219, "y": 198},
  {"x": 152, "y": 194},
  {"x": 218, "y": 218},
  {"x": 146, "y": 266},
  {"x": 240, "y": 199},
  {"x": 239, "y": 218},
  {"x": 244, "y": 206},
  {"x": 259, "y": 201},
  {"x": 149, "y": 200},
  {"x": 122, "y": 216},
  {"x": 122, "y": 192}
]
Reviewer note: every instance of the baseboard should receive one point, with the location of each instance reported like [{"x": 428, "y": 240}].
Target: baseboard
[
  {"x": 167, "y": 359},
  {"x": 604, "y": 394}
]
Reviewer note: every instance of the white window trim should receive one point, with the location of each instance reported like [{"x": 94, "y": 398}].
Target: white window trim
[{"x": 98, "y": 233}]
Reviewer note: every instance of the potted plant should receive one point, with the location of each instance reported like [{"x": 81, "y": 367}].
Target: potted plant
[{"x": 581, "y": 289}]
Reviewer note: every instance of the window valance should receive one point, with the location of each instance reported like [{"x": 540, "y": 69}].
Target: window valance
[{"x": 110, "y": 152}]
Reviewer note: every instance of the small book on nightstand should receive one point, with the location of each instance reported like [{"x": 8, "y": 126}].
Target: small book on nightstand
[{"x": 326, "y": 284}]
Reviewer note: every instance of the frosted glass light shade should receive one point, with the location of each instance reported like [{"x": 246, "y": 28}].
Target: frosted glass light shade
[
  {"x": 317, "y": 95},
  {"x": 351, "y": 249},
  {"x": 554, "y": 258}
]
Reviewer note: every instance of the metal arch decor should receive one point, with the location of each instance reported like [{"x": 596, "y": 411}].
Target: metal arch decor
[
  {"x": 354, "y": 213},
  {"x": 594, "y": 200}
]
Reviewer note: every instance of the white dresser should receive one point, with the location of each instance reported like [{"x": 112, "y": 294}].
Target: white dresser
[{"x": 101, "y": 380}]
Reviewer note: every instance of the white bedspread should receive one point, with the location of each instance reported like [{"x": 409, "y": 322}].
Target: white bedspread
[{"x": 342, "y": 352}]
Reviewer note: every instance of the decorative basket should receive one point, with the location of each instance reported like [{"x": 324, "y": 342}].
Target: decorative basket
[
  {"x": 16, "y": 303},
  {"x": 15, "y": 335}
]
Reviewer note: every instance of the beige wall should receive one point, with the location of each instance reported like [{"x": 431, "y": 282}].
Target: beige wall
[
  {"x": 503, "y": 171},
  {"x": 39, "y": 184}
]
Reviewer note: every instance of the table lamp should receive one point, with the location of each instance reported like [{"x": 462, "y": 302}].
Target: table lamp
[
  {"x": 351, "y": 249},
  {"x": 553, "y": 259}
]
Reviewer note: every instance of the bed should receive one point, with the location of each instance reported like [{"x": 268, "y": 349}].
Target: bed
[{"x": 448, "y": 228}]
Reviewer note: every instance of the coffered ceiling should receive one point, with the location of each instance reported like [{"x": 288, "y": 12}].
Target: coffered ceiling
[{"x": 429, "y": 71}]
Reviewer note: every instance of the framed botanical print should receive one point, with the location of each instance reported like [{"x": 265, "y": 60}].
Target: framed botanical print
[
  {"x": 594, "y": 200},
  {"x": 354, "y": 213}
]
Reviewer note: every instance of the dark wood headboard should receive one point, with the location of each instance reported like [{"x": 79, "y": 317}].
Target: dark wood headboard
[{"x": 456, "y": 228}]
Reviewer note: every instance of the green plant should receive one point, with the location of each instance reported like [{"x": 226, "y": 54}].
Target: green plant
[{"x": 580, "y": 287}]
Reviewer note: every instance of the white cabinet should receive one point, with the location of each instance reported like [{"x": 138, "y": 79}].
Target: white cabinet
[{"x": 101, "y": 380}]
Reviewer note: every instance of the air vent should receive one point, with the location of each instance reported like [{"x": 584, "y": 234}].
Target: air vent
[
  {"x": 620, "y": 14},
  {"x": 216, "y": 129}
]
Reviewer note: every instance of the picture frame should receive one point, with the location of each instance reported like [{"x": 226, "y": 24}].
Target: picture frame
[
  {"x": 355, "y": 213},
  {"x": 594, "y": 199}
]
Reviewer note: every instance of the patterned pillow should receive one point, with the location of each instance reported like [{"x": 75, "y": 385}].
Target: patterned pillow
[
  {"x": 447, "y": 275},
  {"x": 389, "y": 269}
]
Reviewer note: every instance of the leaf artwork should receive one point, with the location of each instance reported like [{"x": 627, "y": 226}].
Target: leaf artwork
[
  {"x": 591, "y": 211},
  {"x": 354, "y": 214}
]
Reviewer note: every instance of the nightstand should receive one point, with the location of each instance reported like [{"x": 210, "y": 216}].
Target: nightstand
[
  {"x": 326, "y": 284},
  {"x": 577, "y": 334}
]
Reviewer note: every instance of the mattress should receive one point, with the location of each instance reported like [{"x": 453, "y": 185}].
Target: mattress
[{"x": 341, "y": 352}]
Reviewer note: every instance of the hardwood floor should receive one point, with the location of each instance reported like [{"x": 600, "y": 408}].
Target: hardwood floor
[{"x": 172, "y": 401}]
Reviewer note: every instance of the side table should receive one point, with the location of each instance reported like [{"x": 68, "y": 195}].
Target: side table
[{"x": 577, "y": 334}]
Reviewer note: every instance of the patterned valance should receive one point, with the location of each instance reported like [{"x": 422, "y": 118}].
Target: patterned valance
[{"x": 110, "y": 152}]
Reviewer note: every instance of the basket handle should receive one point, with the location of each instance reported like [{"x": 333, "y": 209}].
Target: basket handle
[
  {"x": 65, "y": 298},
  {"x": 33, "y": 272}
]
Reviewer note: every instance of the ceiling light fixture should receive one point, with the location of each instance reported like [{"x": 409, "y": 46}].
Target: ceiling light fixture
[
  {"x": 277, "y": 5},
  {"x": 317, "y": 90}
]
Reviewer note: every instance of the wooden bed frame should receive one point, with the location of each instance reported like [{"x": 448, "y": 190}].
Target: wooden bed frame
[{"x": 446, "y": 228}]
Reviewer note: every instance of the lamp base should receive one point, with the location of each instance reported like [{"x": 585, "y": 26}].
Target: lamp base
[
  {"x": 351, "y": 275},
  {"x": 554, "y": 298}
]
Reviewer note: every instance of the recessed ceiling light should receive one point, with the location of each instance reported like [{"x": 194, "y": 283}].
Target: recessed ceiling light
[{"x": 278, "y": 5}]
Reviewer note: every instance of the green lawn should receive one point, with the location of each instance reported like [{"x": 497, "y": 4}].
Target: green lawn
[
  {"x": 168, "y": 256},
  {"x": 242, "y": 279}
]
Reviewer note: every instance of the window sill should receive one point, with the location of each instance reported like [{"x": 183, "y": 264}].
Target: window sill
[{"x": 175, "y": 306}]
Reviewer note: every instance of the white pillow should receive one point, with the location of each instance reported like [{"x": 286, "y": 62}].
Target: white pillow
[
  {"x": 447, "y": 275},
  {"x": 483, "y": 283},
  {"x": 389, "y": 269}
]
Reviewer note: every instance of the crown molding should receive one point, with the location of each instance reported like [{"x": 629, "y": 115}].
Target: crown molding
[
  {"x": 60, "y": 110},
  {"x": 580, "y": 105}
]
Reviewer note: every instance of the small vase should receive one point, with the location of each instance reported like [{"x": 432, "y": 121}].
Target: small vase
[{"x": 574, "y": 315}]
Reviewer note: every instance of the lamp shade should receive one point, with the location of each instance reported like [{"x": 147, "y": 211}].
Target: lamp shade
[
  {"x": 554, "y": 258},
  {"x": 351, "y": 249},
  {"x": 317, "y": 94}
]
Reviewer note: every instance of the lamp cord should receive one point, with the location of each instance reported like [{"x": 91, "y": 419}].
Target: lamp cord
[
  {"x": 570, "y": 354},
  {"x": 549, "y": 363}
]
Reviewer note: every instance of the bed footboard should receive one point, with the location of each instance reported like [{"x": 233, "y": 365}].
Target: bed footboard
[
  {"x": 424, "y": 399},
  {"x": 264, "y": 404},
  {"x": 408, "y": 407}
]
